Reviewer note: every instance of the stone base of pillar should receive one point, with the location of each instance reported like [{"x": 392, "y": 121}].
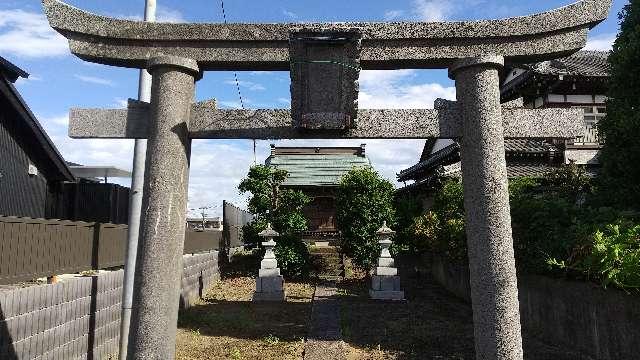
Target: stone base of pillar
[
  {"x": 269, "y": 288},
  {"x": 386, "y": 287}
]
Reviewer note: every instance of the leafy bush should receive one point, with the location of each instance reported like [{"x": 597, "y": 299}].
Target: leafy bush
[
  {"x": 612, "y": 256},
  {"x": 281, "y": 208},
  {"x": 293, "y": 256},
  {"x": 364, "y": 201},
  {"x": 553, "y": 232},
  {"x": 408, "y": 210},
  {"x": 425, "y": 231}
]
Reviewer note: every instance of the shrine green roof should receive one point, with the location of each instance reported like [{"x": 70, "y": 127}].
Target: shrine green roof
[{"x": 319, "y": 169}]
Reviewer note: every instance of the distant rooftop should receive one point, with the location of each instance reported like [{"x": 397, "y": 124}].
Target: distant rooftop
[
  {"x": 97, "y": 172},
  {"x": 583, "y": 63},
  {"x": 316, "y": 166},
  {"x": 11, "y": 71}
]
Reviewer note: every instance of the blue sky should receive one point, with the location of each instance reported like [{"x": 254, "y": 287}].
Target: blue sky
[{"x": 60, "y": 81}]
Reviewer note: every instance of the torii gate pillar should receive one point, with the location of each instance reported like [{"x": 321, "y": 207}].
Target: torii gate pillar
[
  {"x": 159, "y": 259},
  {"x": 494, "y": 287}
]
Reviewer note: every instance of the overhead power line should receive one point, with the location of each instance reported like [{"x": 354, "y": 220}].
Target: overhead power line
[{"x": 235, "y": 76}]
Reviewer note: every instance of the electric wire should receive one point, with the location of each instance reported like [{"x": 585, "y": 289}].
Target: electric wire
[{"x": 235, "y": 77}]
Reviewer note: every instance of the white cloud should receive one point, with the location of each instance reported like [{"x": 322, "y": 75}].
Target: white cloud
[
  {"x": 165, "y": 14},
  {"x": 62, "y": 120},
  {"x": 231, "y": 104},
  {"x": 602, "y": 42},
  {"x": 120, "y": 102},
  {"x": 246, "y": 84},
  {"x": 432, "y": 10},
  {"x": 28, "y": 34},
  {"x": 30, "y": 79},
  {"x": 388, "y": 89},
  {"x": 393, "y": 14},
  {"x": 291, "y": 15},
  {"x": 94, "y": 80}
]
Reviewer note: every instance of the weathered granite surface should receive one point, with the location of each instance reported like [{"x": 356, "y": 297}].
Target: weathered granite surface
[
  {"x": 269, "y": 283},
  {"x": 162, "y": 229},
  {"x": 385, "y": 282},
  {"x": 209, "y": 122},
  {"x": 325, "y": 67},
  {"x": 128, "y": 43},
  {"x": 494, "y": 286}
]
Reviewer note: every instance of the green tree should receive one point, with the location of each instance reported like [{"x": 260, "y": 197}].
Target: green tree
[
  {"x": 283, "y": 209},
  {"x": 364, "y": 201},
  {"x": 620, "y": 129}
]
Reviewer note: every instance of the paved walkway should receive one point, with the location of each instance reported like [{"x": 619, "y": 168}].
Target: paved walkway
[{"x": 324, "y": 341}]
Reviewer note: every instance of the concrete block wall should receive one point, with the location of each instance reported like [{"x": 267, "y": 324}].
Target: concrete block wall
[
  {"x": 198, "y": 274},
  {"x": 62, "y": 321},
  {"x": 79, "y": 318},
  {"x": 599, "y": 323}
]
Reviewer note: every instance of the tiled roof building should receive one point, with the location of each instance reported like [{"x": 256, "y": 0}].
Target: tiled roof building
[
  {"x": 317, "y": 172},
  {"x": 580, "y": 80}
]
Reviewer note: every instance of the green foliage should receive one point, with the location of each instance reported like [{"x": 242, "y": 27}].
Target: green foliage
[
  {"x": 407, "y": 209},
  {"x": 544, "y": 226},
  {"x": 425, "y": 231},
  {"x": 449, "y": 201},
  {"x": 612, "y": 256},
  {"x": 262, "y": 182},
  {"x": 569, "y": 181},
  {"x": 442, "y": 228},
  {"x": 293, "y": 256},
  {"x": 364, "y": 201},
  {"x": 288, "y": 217},
  {"x": 281, "y": 208},
  {"x": 620, "y": 129}
]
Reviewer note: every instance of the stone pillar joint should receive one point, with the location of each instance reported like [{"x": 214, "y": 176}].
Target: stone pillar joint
[
  {"x": 183, "y": 64},
  {"x": 496, "y": 61}
]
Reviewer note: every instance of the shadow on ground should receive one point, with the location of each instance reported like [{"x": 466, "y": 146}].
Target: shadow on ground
[
  {"x": 430, "y": 324},
  {"x": 227, "y": 309}
]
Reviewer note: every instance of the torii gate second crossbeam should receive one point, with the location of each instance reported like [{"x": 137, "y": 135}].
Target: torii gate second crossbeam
[{"x": 325, "y": 61}]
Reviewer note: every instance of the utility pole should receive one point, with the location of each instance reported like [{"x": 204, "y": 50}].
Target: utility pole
[
  {"x": 204, "y": 214},
  {"x": 135, "y": 203}
]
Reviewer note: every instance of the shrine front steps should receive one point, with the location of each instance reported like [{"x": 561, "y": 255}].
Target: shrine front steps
[{"x": 327, "y": 262}]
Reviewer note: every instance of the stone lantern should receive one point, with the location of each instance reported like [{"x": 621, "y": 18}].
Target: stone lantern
[
  {"x": 385, "y": 282},
  {"x": 269, "y": 284}
]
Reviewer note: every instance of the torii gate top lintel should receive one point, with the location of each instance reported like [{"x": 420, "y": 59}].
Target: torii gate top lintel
[{"x": 395, "y": 45}]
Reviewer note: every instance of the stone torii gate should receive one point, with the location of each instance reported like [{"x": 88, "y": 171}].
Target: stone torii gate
[{"x": 324, "y": 61}]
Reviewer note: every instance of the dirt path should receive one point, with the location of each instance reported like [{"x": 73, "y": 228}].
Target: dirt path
[{"x": 324, "y": 341}]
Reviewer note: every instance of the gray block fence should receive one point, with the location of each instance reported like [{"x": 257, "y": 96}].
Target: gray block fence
[
  {"x": 79, "y": 318},
  {"x": 600, "y": 324}
]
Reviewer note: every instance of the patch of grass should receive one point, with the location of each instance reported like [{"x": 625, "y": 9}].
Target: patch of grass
[
  {"x": 231, "y": 326},
  {"x": 431, "y": 324},
  {"x": 235, "y": 354},
  {"x": 271, "y": 339}
]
